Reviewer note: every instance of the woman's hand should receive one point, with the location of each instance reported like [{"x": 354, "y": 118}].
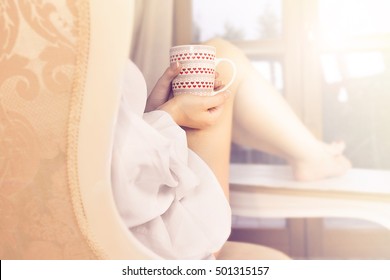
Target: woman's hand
[
  {"x": 162, "y": 90},
  {"x": 186, "y": 109},
  {"x": 194, "y": 111}
]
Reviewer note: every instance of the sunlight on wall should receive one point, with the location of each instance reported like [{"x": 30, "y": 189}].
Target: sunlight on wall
[
  {"x": 357, "y": 65},
  {"x": 348, "y": 18},
  {"x": 360, "y": 65},
  {"x": 340, "y": 22}
]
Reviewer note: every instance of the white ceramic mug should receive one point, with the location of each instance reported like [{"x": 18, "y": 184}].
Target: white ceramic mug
[{"x": 197, "y": 74}]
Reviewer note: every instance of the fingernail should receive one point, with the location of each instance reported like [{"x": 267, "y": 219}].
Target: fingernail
[{"x": 175, "y": 65}]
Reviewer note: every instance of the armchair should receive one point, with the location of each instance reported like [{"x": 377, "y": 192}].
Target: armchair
[{"x": 60, "y": 63}]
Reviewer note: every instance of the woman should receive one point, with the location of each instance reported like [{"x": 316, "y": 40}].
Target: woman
[{"x": 163, "y": 186}]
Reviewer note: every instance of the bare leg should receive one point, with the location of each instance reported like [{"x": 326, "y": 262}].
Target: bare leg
[
  {"x": 213, "y": 143},
  {"x": 264, "y": 121}
]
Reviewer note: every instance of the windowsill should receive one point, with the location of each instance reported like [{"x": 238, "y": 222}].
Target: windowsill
[{"x": 356, "y": 181}]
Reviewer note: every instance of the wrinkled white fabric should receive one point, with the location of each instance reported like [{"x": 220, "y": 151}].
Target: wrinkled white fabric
[{"x": 167, "y": 195}]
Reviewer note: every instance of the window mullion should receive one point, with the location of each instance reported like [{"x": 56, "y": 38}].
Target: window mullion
[
  {"x": 311, "y": 69},
  {"x": 293, "y": 32}
]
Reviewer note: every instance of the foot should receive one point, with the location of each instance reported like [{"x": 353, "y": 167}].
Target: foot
[
  {"x": 328, "y": 162},
  {"x": 334, "y": 148}
]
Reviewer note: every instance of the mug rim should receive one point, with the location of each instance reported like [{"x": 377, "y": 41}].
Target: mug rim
[{"x": 192, "y": 46}]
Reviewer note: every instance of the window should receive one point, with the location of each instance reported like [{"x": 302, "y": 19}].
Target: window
[
  {"x": 356, "y": 69},
  {"x": 343, "y": 65},
  {"x": 237, "y": 23},
  {"x": 331, "y": 61}
]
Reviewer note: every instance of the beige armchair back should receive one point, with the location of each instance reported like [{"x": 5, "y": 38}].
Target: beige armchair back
[{"x": 60, "y": 71}]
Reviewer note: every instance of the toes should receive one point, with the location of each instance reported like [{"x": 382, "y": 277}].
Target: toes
[
  {"x": 335, "y": 148},
  {"x": 343, "y": 165},
  {"x": 346, "y": 163},
  {"x": 340, "y": 146},
  {"x": 331, "y": 166}
]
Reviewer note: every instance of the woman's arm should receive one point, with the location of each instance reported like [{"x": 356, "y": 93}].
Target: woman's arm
[{"x": 197, "y": 112}]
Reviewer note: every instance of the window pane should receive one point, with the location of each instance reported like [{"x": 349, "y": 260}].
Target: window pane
[
  {"x": 236, "y": 19},
  {"x": 351, "y": 18},
  {"x": 356, "y": 94},
  {"x": 270, "y": 70}
]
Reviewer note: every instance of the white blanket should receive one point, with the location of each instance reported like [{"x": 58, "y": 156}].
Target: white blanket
[{"x": 167, "y": 196}]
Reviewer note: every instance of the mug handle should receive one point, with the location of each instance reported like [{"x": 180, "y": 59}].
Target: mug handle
[{"x": 219, "y": 60}]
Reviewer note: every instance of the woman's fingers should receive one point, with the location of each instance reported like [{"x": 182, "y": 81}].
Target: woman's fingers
[
  {"x": 217, "y": 83},
  {"x": 170, "y": 73},
  {"x": 161, "y": 91},
  {"x": 215, "y": 100}
]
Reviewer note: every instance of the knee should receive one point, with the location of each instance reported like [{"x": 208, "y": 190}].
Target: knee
[
  {"x": 227, "y": 49},
  {"x": 219, "y": 42}
]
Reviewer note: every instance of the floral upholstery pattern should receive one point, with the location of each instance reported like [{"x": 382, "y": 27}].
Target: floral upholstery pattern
[{"x": 42, "y": 55}]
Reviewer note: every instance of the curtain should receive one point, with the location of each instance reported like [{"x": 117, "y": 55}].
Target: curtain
[
  {"x": 158, "y": 25},
  {"x": 152, "y": 37}
]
